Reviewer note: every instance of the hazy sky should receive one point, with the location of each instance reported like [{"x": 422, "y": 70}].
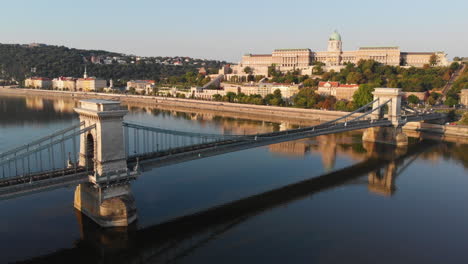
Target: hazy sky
[{"x": 227, "y": 29}]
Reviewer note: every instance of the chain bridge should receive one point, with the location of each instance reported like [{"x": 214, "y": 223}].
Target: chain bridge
[{"x": 102, "y": 154}]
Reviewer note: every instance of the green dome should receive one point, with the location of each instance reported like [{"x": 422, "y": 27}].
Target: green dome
[{"x": 335, "y": 36}]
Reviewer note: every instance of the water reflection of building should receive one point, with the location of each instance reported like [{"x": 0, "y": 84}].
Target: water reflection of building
[
  {"x": 35, "y": 103},
  {"x": 327, "y": 146},
  {"x": 63, "y": 106}
]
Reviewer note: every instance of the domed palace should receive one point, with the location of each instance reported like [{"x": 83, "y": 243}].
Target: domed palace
[{"x": 334, "y": 58}]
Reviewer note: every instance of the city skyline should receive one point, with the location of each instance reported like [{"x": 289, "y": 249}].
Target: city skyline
[{"x": 208, "y": 30}]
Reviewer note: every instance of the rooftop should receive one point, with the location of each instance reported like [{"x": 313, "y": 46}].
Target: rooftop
[
  {"x": 376, "y": 47},
  {"x": 335, "y": 36},
  {"x": 292, "y": 49},
  {"x": 258, "y": 55}
]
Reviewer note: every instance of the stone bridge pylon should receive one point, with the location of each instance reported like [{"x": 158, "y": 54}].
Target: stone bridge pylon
[
  {"x": 391, "y": 135},
  {"x": 106, "y": 198}
]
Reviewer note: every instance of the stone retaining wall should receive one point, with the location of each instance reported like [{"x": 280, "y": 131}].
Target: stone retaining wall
[{"x": 285, "y": 112}]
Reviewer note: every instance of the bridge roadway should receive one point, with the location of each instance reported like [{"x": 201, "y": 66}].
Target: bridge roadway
[
  {"x": 183, "y": 154},
  {"x": 171, "y": 240},
  {"x": 13, "y": 187}
]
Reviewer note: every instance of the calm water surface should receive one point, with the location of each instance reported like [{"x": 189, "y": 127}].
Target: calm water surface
[{"x": 410, "y": 210}]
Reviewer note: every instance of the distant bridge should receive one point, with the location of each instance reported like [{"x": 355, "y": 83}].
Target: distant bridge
[{"x": 103, "y": 154}]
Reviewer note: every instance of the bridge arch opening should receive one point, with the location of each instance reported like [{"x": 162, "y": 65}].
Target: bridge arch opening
[{"x": 90, "y": 151}]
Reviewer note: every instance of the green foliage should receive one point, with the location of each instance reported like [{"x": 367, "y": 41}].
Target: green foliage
[
  {"x": 413, "y": 99},
  {"x": 464, "y": 119},
  {"x": 248, "y": 70},
  {"x": 363, "y": 95},
  {"x": 433, "y": 60},
  {"x": 372, "y": 72},
  {"x": 317, "y": 69},
  {"x": 306, "y": 98},
  {"x": 461, "y": 82},
  {"x": 217, "y": 97},
  {"x": 454, "y": 66},
  {"x": 341, "y": 106},
  {"x": 16, "y": 62},
  {"x": 451, "y": 101}
]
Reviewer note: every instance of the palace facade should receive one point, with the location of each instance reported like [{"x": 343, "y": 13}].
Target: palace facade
[{"x": 334, "y": 58}]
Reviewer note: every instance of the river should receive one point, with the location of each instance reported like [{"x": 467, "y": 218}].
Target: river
[{"x": 414, "y": 210}]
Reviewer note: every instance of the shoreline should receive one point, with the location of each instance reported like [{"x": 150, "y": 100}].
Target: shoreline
[
  {"x": 297, "y": 114},
  {"x": 255, "y": 112}
]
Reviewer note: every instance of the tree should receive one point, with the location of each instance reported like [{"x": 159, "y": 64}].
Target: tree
[
  {"x": 363, "y": 95},
  {"x": 431, "y": 100},
  {"x": 454, "y": 66},
  {"x": 341, "y": 106},
  {"x": 413, "y": 99},
  {"x": 272, "y": 72},
  {"x": 317, "y": 70},
  {"x": 217, "y": 97},
  {"x": 277, "y": 98},
  {"x": 310, "y": 82},
  {"x": 354, "y": 77},
  {"x": 451, "y": 101},
  {"x": 248, "y": 70},
  {"x": 306, "y": 98},
  {"x": 230, "y": 96},
  {"x": 433, "y": 60}
]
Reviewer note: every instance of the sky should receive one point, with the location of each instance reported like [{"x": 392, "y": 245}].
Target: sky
[{"x": 226, "y": 30}]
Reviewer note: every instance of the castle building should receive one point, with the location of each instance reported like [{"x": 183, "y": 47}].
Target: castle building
[{"x": 334, "y": 58}]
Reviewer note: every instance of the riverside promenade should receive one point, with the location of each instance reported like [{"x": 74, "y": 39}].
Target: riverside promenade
[{"x": 297, "y": 115}]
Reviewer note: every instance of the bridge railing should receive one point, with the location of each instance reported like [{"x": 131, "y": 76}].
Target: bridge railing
[
  {"x": 142, "y": 139},
  {"x": 53, "y": 153},
  {"x": 37, "y": 143}
]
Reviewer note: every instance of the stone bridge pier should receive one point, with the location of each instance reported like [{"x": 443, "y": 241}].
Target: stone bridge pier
[
  {"x": 107, "y": 206},
  {"x": 390, "y": 135},
  {"x": 107, "y": 198}
]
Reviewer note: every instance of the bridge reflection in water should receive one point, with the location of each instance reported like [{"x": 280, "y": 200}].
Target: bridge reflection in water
[{"x": 173, "y": 240}]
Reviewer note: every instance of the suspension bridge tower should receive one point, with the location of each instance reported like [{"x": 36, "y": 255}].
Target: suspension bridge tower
[
  {"x": 392, "y": 111},
  {"x": 106, "y": 198}
]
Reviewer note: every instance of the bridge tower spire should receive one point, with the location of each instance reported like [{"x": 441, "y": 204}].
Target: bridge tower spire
[
  {"x": 392, "y": 135},
  {"x": 107, "y": 197}
]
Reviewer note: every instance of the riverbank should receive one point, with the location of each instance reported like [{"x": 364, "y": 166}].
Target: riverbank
[
  {"x": 256, "y": 112},
  {"x": 443, "y": 130},
  {"x": 296, "y": 114}
]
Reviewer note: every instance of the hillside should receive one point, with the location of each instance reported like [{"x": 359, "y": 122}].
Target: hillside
[{"x": 16, "y": 62}]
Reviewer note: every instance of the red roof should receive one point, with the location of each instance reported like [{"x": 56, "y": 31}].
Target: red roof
[
  {"x": 61, "y": 78},
  {"x": 337, "y": 84},
  {"x": 40, "y": 78}
]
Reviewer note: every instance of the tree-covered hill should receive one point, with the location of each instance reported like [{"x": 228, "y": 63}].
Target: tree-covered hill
[{"x": 16, "y": 62}]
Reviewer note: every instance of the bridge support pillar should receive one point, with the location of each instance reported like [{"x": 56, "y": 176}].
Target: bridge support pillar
[
  {"x": 393, "y": 108},
  {"x": 390, "y": 135},
  {"x": 109, "y": 207},
  {"x": 387, "y": 135},
  {"x": 102, "y": 149}
]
